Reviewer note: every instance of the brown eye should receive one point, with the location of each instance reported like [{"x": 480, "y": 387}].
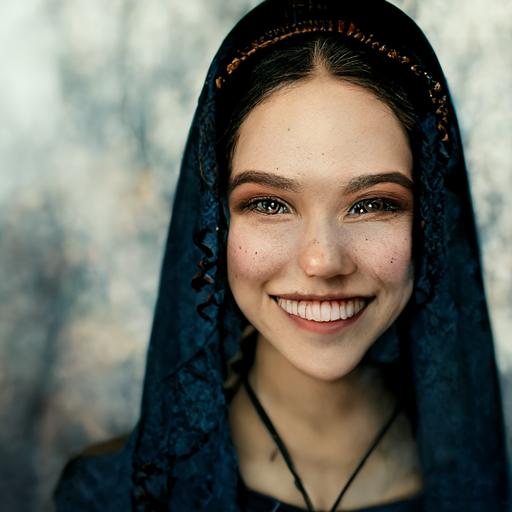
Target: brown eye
[
  {"x": 267, "y": 206},
  {"x": 374, "y": 205}
]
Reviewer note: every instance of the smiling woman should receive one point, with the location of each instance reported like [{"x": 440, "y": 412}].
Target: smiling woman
[
  {"x": 321, "y": 337},
  {"x": 319, "y": 260},
  {"x": 335, "y": 232}
]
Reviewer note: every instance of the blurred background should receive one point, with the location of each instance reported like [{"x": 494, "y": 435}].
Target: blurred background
[{"x": 96, "y": 99}]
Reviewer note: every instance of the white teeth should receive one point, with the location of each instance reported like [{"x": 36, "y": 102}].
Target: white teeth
[
  {"x": 350, "y": 308},
  {"x": 315, "y": 310},
  {"x": 323, "y": 311},
  {"x": 335, "y": 311},
  {"x": 359, "y": 304}
]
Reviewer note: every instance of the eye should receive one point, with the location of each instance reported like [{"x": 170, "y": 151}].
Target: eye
[
  {"x": 374, "y": 205},
  {"x": 266, "y": 206}
]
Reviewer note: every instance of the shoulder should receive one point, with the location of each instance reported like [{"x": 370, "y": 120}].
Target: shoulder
[{"x": 96, "y": 479}]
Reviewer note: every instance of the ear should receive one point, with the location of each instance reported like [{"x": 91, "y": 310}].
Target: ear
[{"x": 422, "y": 224}]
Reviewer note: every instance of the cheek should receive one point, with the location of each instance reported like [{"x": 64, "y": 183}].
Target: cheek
[
  {"x": 386, "y": 252},
  {"x": 254, "y": 254}
]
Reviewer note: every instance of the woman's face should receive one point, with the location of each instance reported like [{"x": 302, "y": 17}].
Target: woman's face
[{"x": 320, "y": 235}]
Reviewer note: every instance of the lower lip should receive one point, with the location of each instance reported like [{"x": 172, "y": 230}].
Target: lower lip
[{"x": 323, "y": 327}]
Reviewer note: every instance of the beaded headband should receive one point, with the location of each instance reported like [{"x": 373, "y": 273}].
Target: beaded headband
[{"x": 435, "y": 90}]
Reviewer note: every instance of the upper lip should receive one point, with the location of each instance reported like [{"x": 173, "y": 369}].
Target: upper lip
[{"x": 320, "y": 297}]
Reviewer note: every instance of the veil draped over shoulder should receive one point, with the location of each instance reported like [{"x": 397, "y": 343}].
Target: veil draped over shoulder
[{"x": 180, "y": 456}]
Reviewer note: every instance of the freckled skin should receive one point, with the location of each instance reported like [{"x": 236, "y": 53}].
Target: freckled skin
[{"x": 322, "y": 132}]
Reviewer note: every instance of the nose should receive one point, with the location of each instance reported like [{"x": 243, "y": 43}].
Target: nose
[{"x": 326, "y": 252}]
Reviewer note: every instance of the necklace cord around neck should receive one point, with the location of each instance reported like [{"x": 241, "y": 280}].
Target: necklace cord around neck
[{"x": 287, "y": 457}]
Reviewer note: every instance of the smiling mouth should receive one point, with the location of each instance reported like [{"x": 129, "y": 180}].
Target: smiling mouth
[{"x": 323, "y": 311}]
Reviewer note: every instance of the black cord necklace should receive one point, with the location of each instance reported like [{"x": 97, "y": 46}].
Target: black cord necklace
[{"x": 286, "y": 454}]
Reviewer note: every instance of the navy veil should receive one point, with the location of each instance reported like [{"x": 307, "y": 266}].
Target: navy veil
[{"x": 180, "y": 457}]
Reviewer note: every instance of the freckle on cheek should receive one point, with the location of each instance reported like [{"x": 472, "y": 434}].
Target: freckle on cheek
[{"x": 256, "y": 253}]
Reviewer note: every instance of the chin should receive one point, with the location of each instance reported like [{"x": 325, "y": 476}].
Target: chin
[{"x": 327, "y": 369}]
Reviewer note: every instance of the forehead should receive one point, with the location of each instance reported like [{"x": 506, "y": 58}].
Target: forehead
[{"x": 320, "y": 127}]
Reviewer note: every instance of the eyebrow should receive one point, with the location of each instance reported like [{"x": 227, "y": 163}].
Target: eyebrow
[
  {"x": 368, "y": 180},
  {"x": 263, "y": 178},
  {"x": 354, "y": 185}
]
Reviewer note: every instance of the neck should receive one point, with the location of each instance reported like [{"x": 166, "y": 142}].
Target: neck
[{"x": 312, "y": 401}]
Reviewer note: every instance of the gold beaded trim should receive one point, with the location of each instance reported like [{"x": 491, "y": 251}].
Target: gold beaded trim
[{"x": 438, "y": 98}]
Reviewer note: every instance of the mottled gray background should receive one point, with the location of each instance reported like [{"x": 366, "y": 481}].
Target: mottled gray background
[{"x": 95, "y": 100}]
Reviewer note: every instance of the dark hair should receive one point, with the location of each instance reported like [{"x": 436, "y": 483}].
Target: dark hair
[{"x": 299, "y": 59}]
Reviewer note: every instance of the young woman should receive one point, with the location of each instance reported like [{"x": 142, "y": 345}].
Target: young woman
[{"x": 321, "y": 340}]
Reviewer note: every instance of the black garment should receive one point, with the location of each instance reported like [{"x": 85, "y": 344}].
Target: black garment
[
  {"x": 180, "y": 456},
  {"x": 256, "y": 502}
]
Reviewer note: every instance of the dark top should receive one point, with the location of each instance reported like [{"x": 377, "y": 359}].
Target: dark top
[{"x": 254, "y": 501}]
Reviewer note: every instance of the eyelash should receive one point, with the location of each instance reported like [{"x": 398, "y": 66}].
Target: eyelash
[
  {"x": 388, "y": 205},
  {"x": 362, "y": 207},
  {"x": 252, "y": 205}
]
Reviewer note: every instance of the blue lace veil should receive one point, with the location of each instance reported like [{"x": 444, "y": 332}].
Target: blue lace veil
[{"x": 180, "y": 457}]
